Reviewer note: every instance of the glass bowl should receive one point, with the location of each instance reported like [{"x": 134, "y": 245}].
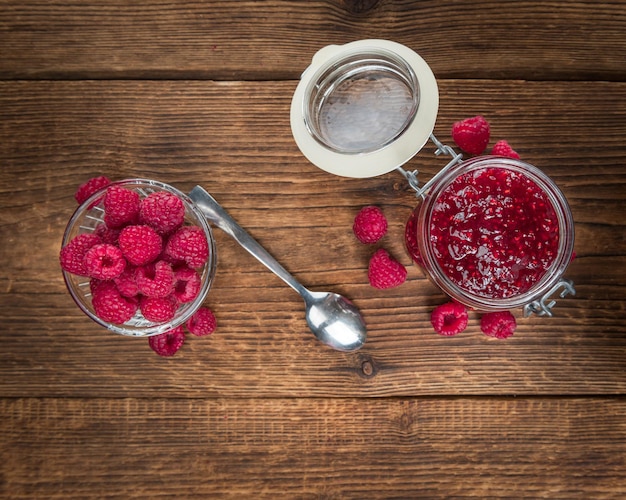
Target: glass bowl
[{"x": 90, "y": 215}]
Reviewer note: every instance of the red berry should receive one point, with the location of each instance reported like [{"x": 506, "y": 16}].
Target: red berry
[
  {"x": 168, "y": 343},
  {"x": 188, "y": 284},
  {"x": 104, "y": 261},
  {"x": 158, "y": 309},
  {"x": 502, "y": 148},
  {"x": 449, "y": 318},
  {"x": 126, "y": 283},
  {"x": 384, "y": 271},
  {"x": 155, "y": 280},
  {"x": 96, "y": 284},
  {"x": 107, "y": 235},
  {"x": 121, "y": 206},
  {"x": 72, "y": 255},
  {"x": 109, "y": 305},
  {"x": 500, "y": 325},
  {"x": 202, "y": 323},
  {"x": 410, "y": 239},
  {"x": 189, "y": 245},
  {"x": 471, "y": 134},
  {"x": 162, "y": 210},
  {"x": 89, "y": 187},
  {"x": 370, "y": 224},
  {"x": 140, "y": 244}
]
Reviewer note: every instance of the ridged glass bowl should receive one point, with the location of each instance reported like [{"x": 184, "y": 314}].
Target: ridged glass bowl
[{"x": 89, "y": 215}]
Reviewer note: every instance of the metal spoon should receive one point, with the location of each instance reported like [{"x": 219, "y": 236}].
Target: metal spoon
[{"x": 332, "y": 318}]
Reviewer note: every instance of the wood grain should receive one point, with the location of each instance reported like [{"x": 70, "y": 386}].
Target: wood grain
[
  {"x": 234, "y": 139},
  {"x": 313, "y": 448},
  {"x": 269, "y": 40},
  {"x": 199, "y": 93}
]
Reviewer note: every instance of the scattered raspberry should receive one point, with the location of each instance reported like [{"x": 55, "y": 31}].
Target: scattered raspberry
[
  {"x": 164, "y": 211},
  {"x": 109, "y": 305},
  {"x": 500, "y": 325},
  {"x": 471, "y": 134},
  {"x": 126, "y": 283},
  {"x": 158, "y": 309},
  {"x": 86, "y": 189},
  {"x": 449, "y": 318},
  {"x": 202, "y": 323},
  {"x": 370, "y": 224},
  {"x": 140, "y": 244},
  {"x": 155, "y": 280},
  {"x": 188, "y": 284},
  {"x": 410, "y": 238},
  {"x": 104, "y": 261},
  {"x": 121, "y": 206},
  {"x": 572, "y": 257},
  {"x": 188, "y": 244},
  {"x": 384, "y": 271},
  {"x": 72, "y": 255},
  {"x": 168, "y": 343},
  {"x": 107, "y": 235},
  {"x": 502, "y": 148}
]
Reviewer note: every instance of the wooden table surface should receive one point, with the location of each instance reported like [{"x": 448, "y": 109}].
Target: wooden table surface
[{"x": 199, "y": 93}]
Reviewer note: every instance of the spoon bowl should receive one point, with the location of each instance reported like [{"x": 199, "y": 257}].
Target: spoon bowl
[
  {"x": 335, "y": 320},
  {"x": 332, "y": 318}
]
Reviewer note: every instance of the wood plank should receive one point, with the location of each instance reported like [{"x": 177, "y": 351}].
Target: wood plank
[
  {"x": 234, "y": 138},
  {"x": 276, "y": 40},
  {"x": 313, "y": 448}
]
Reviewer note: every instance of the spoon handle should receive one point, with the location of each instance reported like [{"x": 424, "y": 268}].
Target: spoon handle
[{"x": 216, "y": 214}]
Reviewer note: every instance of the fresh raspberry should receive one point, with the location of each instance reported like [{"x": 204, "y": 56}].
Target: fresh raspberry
[
  {"x": 107, "y": 235},
  {"x": 104, "y": 261},
  {"x": 121, "y": 206},
  {"x": 109, "y": 305},
  {"x": 502, "y": 148},
  {"x": 202, "y": 323},
  {"x": 88, "y": 188},
  {"x": 500, "y": 325},
  {"x": 370, "y": 224},
  {"x": 158, "y": 309},
  {"x": 188, "y": 284},
  {"x": 384, "y": 271},
  {"x": 96, "y": 284},
  {"x": 140, "y": 244},
  {"x": 471, "y": 134},
  {"x": 126, "y": 283},
  {"x": 188, "y": 244},
  {"x": 164, "y": 211},
  {"x": 155, "y": 280},
  {"x": 72, "y": 255},
  {"x": 168, "y": 343},
  {"x": 410, "y": 238},
  {"x": 449, "y": 318}
]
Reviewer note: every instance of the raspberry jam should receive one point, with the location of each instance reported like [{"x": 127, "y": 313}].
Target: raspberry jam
[{"x": 493, "y": 233}]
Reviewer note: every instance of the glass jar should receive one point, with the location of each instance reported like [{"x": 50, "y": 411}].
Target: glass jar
[{"x": 494, "y": 234}]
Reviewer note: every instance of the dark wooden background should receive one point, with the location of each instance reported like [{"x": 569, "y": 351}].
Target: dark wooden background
[{"x": 199, "y": 93}]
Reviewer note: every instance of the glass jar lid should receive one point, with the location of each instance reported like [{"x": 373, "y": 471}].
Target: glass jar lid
[{"x": 364, "y": 108}]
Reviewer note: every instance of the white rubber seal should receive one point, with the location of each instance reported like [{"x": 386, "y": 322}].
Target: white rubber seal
[{"x": 393, "y": 153}]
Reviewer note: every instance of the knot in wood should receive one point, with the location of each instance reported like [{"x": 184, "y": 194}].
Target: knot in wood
[
  {"x": 368, "y": 368},
  {"x": 359, "y": 6}
]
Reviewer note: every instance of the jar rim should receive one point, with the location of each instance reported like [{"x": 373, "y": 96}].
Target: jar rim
[{"x": 550, "y": 276}]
